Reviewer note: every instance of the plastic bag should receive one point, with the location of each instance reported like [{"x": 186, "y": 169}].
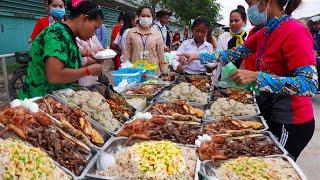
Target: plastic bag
[
  {"x": 226, "y": 72},
  {"x": 168, "y": 57}
]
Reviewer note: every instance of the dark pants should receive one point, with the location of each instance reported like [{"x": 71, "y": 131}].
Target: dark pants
[{"x": 294, "y": 137}]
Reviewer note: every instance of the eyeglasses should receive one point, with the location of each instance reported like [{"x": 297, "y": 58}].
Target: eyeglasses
[{"x": 98, "y": 8}]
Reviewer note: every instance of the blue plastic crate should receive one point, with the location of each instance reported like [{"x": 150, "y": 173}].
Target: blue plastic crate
[{"x": 130, "y": 74}]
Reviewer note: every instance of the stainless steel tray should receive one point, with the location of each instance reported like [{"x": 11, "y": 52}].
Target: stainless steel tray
[
  {"x": 149, "y": 97},
  {"x": 62, "y": 94},
  {"x": 62, "y": 98},
  {"x": 105, "y": 135},
  {"x": 209, "y": 118},
  {"x": 259, "y": 119},
  {"x": 186, "y": 78},
  {"x": 57, "y": 164},
  {"x": 117, "y": 144},
  {"x": 267, "y": 134},
  {"x": 92, "y": 157},
  {"x": 213, "y": 98},
  {"x": 148, "y": 109},
  {"x": 161, "y": 97},
  {"x": 210, "y": 172},
  {"x": 182, "y": 122}
]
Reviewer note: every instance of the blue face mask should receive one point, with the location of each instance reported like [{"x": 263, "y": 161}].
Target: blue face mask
[
  {"x": 256, "y": 17},
  {"x": 57, "y": 12},
  {"x": 239, "y": 31}
]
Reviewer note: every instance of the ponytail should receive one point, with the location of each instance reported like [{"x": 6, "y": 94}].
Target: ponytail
[{"x": 290, "y": 5}]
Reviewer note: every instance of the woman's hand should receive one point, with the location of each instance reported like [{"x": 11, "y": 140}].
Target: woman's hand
[
  {"x": 90, "y": 61},
  {"x": 244, "y": 76},
  {"x": 182, "y": 60},
  {"x": 180, "y": 69},
  {"x": 95, "y": 69},
  {"x": 191, "y": 57}
]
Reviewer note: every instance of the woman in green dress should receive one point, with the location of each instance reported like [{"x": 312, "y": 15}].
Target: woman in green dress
[{"x": 55, "y": 59}]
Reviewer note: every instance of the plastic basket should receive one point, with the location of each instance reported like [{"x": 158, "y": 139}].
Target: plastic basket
[{"x": 130, "y": 74}]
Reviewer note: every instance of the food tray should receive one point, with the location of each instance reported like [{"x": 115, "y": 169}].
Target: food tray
[
  {"x": 213, "y": 98},
  {"x": 253, "y": 118},
  {"x": 210, "y": 119},
  {"x": 62, "y": 98},
  {"x": 268, "y": 134},
  {"x": 92, "y": 157},
  {"x": 149, "y": 97},
  {"x": 210, "y": 172},
  {"x": 12, "y": 135},
  {"x": 100, "y": 88},
  {"x": 148, "y": 109},
  {"x": 105, "y": 135},
  {"x": 168, "y": 119},
  {"x": 117, "y": 144},
  {"x": 61, "y": 94},
  {"x": 160, "y": 98}
]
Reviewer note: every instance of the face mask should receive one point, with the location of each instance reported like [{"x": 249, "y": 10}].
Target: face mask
[
  {"x": 57, "y": 12},
  {"x": 257, "y": 18},
  {"x": 239, "y": 31},
  {"x": 145, "y": 21}
]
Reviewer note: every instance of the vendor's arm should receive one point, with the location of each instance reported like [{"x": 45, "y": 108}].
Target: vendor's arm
[
  {"x": 304, "y": 82},
  {"x": 300, "y": 60},
  {"x": 225, "y": 56},
  {"x": 179, "y": 60},
  {"x": 57, "y": 74}
]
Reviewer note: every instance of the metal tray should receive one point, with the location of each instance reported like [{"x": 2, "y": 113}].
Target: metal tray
[
  {"x": 161, "y": 98},
  {"x": 62, "y": 98},
  {"x": 117, "y": 144},
  {"x": 148, "y": 109},
  {"x": 61, "y": 94},
  {"x": 259, "y": 119},
  {"x": 207, "y": 170},
  {"x": 182, "y": 122},
  {"x": 213, "y": 98},
  {"x": 268, "y": 134},
  {"x": 92, "y": 157},
  {"x": 210, "y": 119},
  {"x": 149, "y": 97},
  {"x": 186, "y": 78},
  {"x": 105, "y": 135},
  {"x": 57, "y": 164}
]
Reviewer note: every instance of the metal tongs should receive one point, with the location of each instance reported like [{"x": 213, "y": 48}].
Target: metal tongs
[{"x": 105, "y": 81}]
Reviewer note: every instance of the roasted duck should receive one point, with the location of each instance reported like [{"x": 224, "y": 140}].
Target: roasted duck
[
  {"x": 36, "y": 129},
  {"x": 72, "y": 120}
]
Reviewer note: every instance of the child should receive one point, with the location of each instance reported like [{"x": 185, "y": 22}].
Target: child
[{"x": 200, "y": 29}]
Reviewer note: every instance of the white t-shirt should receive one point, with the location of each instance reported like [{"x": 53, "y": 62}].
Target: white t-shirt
[{"x": 121, "y": 42}]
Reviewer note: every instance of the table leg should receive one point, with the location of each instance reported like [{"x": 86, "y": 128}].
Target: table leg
[{"x": 5, "y": 78}]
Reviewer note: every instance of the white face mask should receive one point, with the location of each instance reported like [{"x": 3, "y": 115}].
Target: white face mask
[{"x": 145, "y": 21}]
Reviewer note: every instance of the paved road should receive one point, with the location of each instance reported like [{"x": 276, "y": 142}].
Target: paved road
[{"x": 309, "y": 160}]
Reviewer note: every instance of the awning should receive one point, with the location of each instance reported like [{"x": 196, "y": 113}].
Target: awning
[{"x": 120, "y": 5}]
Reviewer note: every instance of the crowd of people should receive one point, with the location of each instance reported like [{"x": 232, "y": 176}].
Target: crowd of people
[{"x": 278, "y": 54}]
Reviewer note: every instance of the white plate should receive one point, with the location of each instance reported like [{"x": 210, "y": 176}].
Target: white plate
[{"x": 105, "y": 54}]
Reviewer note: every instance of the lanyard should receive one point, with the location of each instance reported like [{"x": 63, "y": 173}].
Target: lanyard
[
  {"x": 261, "y": 51},
  {"x": 144, "y": 42}
]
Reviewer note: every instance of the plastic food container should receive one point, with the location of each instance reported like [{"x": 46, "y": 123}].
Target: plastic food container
[{"x": 130, "y": 74}]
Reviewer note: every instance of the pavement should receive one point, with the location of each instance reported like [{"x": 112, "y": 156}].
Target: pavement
[{"x": 309, "y": 160}]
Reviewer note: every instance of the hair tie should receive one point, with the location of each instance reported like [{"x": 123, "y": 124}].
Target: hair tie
[
  {"x": 286, "y": 5},
  {"x": 75, "y": 3}
]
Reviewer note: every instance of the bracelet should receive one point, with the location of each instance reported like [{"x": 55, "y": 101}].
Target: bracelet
[{"x": 88, "y": 73}]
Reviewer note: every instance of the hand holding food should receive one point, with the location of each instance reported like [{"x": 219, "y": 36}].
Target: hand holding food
[
  {"x": 95, "y": 69},
  {"x": 244, "y": 76}
]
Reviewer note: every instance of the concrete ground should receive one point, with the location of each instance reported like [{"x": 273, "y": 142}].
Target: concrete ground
[{"x": 309, "y": 160}]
